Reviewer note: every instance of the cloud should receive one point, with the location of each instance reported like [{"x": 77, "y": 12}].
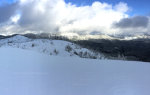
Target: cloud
[
  {"x": 38, "y": 15},
  {"x": 53, "y": 16},
  {"x": 6, "y": 11},
  {"x": 58, "y": 16},
  {"x": 122, "y": 7},
  {"x": 133, "y": 22}
]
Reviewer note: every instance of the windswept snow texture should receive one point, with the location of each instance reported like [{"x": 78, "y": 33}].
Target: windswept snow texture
[
  {"x": 49, "y": 47},
  {"x": 25, "y": 72}
]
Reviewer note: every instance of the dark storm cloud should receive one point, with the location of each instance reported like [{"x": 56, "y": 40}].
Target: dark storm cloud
[
  {"x": 6, "y": 11},
  {"x": 134, "y": 22}
]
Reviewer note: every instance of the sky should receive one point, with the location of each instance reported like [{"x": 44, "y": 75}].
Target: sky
[
  {"x": 75, "y": 17},
  {"x": 138, "y": 6}
]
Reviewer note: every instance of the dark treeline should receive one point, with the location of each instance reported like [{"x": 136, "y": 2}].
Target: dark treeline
[
  {"x": 138, "y": 49},
  {"x": 4, "y": 37},
  {"x": 38, "y": 36},
  {"x": 46, "y": 36}
]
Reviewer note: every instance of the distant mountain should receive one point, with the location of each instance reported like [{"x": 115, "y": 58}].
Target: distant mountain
[{"x": 136, "y": 49}]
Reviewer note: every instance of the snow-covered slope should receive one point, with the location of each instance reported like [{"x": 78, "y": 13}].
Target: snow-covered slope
[
  {"x": 49, "y": 47},
  {"x": 24, "y": 72}
]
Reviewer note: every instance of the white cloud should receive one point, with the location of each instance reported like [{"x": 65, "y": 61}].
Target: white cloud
[
  {"x": 15, "y": 18},
  {"x": 58, "y": 16},
  {"x": 122, "y": 7},
  {"x": 52, "y": 15}
]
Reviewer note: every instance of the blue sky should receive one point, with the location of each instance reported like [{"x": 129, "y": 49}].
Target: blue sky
[
  {"x": 6, "y": 1},
  {"x": 9, "y": 1},
  {"x": 138, "y": 7}
]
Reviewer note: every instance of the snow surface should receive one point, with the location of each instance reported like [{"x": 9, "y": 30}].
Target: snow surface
[{"x": 24, "y": 72}]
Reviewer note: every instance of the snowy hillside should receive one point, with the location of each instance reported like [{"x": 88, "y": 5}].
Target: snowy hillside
[
  {"x": 25, "y": 72},
  {"x": 49, "y": 47}
]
